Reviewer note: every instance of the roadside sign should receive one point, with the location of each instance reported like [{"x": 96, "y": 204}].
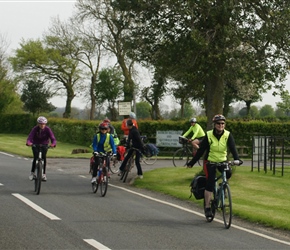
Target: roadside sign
[
  {"x": 124, "y": 108},
  {"x": 168, "y": 138}
]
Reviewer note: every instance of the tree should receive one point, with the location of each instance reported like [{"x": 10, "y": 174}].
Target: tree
[
  {"x": 267, "y": 110},
  {"x": 212, "y": 42},
  {"x": 109, "y": 88},
  {"x": 115, "y": 25},
  {"x": 284, "y": 105},
  {"x": 35, "y": 97},
  {"x": 143, "y": 110},
  {"x": 49, "y": 60},
  {"x": 9, "y": 101}
]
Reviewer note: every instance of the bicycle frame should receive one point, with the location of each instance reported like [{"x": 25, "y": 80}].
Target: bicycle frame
[
  {"x": 102, "y": 159},
  {"x": 222, "y": 200},
  {"x": 39, "y": 167}
]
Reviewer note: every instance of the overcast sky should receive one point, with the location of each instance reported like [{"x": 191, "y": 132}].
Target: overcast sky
[{"x": 28, "y": 19}]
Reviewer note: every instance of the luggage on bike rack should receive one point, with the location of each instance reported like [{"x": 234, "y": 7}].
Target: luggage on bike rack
[
  {"x": 150, "y": 150},
  {"x": 198, "y": 186},
  {"x": 120, "y": 153}
]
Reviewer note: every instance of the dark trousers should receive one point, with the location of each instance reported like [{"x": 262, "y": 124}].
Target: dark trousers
[
  {"x": 137, "y": 161},
  {"x": 35, "y": 158}
]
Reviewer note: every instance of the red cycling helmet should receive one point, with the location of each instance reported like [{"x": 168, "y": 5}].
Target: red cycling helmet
[
  {"x": 107, "y": 120},
  {"x": 217, "y": 118},
  {"x": 103, "y": 125}
]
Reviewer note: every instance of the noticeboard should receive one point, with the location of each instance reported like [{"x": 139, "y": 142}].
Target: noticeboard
[
  {"x": 124, "y": 108},
  {"x": 168, "y": 138}
]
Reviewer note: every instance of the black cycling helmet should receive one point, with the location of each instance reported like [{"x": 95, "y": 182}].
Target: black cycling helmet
[
  {"x": 193, "y": 120},
  {"x": 217, "y": 118}
]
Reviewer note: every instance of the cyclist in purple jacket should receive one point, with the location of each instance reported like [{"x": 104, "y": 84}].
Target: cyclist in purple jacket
[{"x": 40, "y": 134}]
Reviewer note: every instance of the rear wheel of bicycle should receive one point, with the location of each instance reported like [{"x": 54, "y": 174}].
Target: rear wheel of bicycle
[
  {"x": 150, "y": 160},
  {"x": 38, "y": 177},
  {"x": 181, "y": 157},
  {"x": 114, "y": 165},
  {"x": 104, "y": 184},
  {"x": 227, "y": 206}
]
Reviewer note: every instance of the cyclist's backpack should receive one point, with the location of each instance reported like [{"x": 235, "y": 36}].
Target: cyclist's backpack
[
  {"x": 197, "y": 186},
  {"x": 150, "y": 150}
]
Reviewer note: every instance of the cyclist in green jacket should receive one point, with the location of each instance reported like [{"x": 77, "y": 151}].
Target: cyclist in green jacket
[
  {"x": 198, "y": 134},
  {"x": 215, "y": 144}
]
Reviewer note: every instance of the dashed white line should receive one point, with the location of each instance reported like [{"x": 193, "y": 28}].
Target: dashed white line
[
  {"x": 36, "y": 207},
  {"x": 96, "y": 244}
]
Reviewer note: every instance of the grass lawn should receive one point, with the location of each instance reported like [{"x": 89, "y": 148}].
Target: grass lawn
[{"x": 257, "y": 197}]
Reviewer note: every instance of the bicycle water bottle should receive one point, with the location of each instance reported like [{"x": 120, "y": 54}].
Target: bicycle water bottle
[{"x": 99, "y": 172}]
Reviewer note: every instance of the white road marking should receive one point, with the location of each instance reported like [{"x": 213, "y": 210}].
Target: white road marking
[
  {"x": 82, "y": 176},
  {"x": 3, "y": 153},
  {"x": 61, "y": 170},
  {"x": 96, "y": 244},
  {"x": 36, "y": 207},
  {"x": 202, "y": 215},
  {"x": 1, "y": 184}
]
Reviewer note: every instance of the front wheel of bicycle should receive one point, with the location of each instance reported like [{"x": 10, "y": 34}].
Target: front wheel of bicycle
[
  {"x": 95, "y": 186},
  {"x": 227, "y": 206},
  {"x": 181, "y": 157},
  {"x": 150, "y": 160},
  {"x": 38, "y": 177},
  {"x": 104, "y": 184}
]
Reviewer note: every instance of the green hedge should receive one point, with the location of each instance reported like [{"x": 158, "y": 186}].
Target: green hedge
[{"x": 81, "y": 132}]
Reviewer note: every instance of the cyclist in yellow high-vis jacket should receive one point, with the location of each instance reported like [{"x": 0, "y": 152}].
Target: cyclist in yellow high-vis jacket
[
  {"x": 103, "y": 142},
  {"x": 197, "y": 133},
  {"x": 215, "y": 144}
]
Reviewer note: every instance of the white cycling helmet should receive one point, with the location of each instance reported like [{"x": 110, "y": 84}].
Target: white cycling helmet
[
  {"x": 41, "y": 120},
  {"x": 132, "y": 115}
]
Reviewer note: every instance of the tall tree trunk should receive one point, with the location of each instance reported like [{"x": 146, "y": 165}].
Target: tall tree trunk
[{"x": 214, "y": 98}]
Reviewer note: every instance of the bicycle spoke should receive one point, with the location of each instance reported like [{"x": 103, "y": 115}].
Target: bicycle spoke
[
  {"x": 181, "y": 157},
  {"x": 227, "y": 206}
]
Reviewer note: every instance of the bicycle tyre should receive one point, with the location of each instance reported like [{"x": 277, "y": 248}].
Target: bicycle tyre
[
  {"x": 114, "y": 166},
  {"x": 227, "y": 206},
  {"x": 128, "y": 168},
  {"x": 181, "y": 157},
  {"x": 149, "y": 160},
  {"x": 38, "y": 177},
  {"x": 104, "y": 184},
  {"x": 95, "y": 187}
]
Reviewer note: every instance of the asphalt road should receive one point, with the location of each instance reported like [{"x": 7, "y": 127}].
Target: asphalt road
[{"x": 67, "y": 215}]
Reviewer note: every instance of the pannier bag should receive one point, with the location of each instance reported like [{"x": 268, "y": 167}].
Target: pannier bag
[
  {"x": 150, "y": 150},
  {"x": 120, "y": 153},
  {"x": 197, "y": 186}
]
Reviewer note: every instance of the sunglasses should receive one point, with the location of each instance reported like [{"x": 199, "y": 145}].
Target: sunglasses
[
  {"x": 103, "y": 128},
  {"x": 220, "y": 123}
]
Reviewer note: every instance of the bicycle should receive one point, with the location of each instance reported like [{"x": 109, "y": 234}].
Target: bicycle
[
  {"x": 222, "y": 199},
  {"x": 148, "y": 159},
  {"x": 103, "y": 161},
  {"x": 130, "y": 164},
  {"x": 39, "y": 167},
  {"x": 181, "y": 156}
]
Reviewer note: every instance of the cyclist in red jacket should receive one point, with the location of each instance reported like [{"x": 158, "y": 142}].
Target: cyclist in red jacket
[{"x": 40, "y": 134}]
